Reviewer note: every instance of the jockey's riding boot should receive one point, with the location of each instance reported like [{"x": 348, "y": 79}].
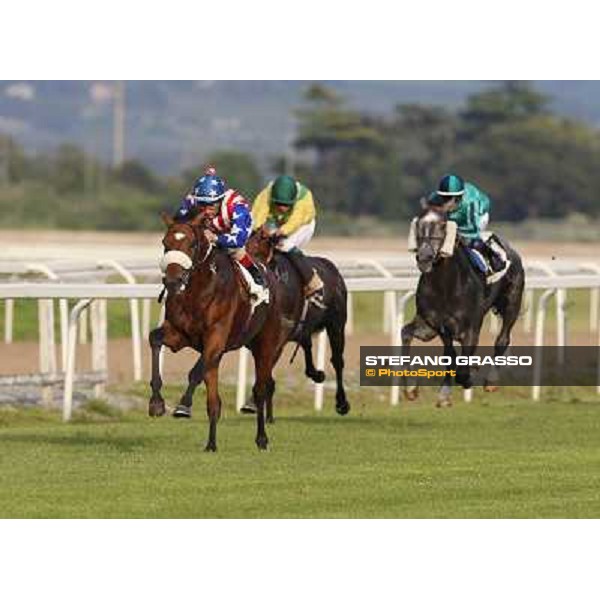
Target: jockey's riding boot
[
  {"x": 495, "y": 261},
  {"x": 313, "y": 284}
]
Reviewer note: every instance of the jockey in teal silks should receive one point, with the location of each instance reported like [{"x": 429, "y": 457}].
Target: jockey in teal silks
[{"x": 469, "y": 208}]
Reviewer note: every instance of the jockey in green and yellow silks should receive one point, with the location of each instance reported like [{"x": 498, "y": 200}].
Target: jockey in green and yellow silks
[
  {"x": 287, "y": 208},
  {"x": 469, "y": 208}
]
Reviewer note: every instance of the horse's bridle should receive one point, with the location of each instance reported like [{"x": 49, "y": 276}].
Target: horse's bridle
[{"x": 195, "y": 263}]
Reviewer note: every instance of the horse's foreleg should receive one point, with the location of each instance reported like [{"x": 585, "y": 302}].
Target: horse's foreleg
[
  {"x": 269, "y": 402},
  {"x": 337, "y": 341},
  {"x": 445, "y": 391},
  {"x": 315, "y": 374},
  {"x": 419, "y": 329},
  {"x": 156, "y": 407},
  {"x": 184, "y": 408},
  {"x": 263, "y": 383},
  {"x": 469, "y": 346},
  {"x": 213, "y": 402}
]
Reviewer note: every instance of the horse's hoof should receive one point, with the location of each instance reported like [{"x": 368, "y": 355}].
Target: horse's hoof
[
  {"x": 156, "y": 409},
  {"x": 317, "y": 376},
  {"x": 443, "y": 403},
  {"x": 262, "y": 443},
  {"x": 182, "y": 412},
  {"x": 210, "y": 447},
  {"x": 342, "y": 409},
  {"x": 491, "y": 387},
  {"x": 249, "y": 408},
  {"x": 411, "y": 395}
]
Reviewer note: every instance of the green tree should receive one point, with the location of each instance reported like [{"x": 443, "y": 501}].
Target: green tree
[
  {"x": 347, "y": 150},
  {"x": 543, "y": 166},
  {"x": 135, "y": 174},
  {"x": 14, "y": 164},
  {"x": 511, "y": 101},
  {"x": 68, "y": 169},
  {"x": 422, "y": 142}
]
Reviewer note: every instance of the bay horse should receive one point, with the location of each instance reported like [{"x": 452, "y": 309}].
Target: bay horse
[
  {"x": 209, "y": 308},
  {"x": 307, "y": 318},
  {"x": 453, "y": 298}
]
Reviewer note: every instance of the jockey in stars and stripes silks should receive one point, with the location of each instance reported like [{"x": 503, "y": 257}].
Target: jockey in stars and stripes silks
[{"x": 231, "y": 217}]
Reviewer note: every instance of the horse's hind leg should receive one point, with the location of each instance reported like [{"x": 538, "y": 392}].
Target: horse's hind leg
[
  {"x": 184, "y": 408},
  {"x": 316, "y": 375},
  {"x": 266, "y": 351},
  {"x": 156, "y": 407},
  {"x": 263, "y": 385},
  {"x": 337, "y": 341},
  {"x": 509, "y": 308}
]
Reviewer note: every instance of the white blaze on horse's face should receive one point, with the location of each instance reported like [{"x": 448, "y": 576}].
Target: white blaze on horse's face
[
  {"x": 176, "y": 260},
  {"x": 431, "y": 233}
]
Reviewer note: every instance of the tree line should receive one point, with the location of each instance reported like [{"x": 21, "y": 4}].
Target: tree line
[{"x": 507, "y": 140}]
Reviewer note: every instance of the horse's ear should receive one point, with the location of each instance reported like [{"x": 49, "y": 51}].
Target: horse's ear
[
  {"x": 167, "y": 219},
  {"x": 424, "y": 203}
]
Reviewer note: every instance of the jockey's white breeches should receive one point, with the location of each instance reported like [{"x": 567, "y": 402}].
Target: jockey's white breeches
[
  {"x": 484, "y": 219},
  {"x": 299, "y": 238}
]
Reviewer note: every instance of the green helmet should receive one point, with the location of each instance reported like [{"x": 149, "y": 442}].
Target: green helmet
[{"x": 284, "y": 190}]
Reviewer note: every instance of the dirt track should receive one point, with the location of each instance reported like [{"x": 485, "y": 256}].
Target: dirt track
[{"x": 71, "y": 241}]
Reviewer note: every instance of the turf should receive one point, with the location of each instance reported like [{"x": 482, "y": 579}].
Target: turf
[{"x": 501, "y": 456}]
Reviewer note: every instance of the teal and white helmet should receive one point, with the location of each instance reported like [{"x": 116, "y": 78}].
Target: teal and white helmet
[{"x": 451, "y": 187}]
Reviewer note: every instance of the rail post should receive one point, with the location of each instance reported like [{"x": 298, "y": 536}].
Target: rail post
[
  {"x": 349, "y": 314},
  {"x": 528, "y": 318},
  {"x": 397, "y": 339},
  {"x": 47, "y": 345},
  {"x": 63, "y": 307},
  {"x": 9, "y": 307},
  {"x": 146, "y": 312},
  {"x": 539, "y": 342},
  {"x": 71, "y": 353},
  {"x": 594, "y": 296},
  {"x": 319, "y": 387},
  {"x": 99, "y": 342},
  {"x": 240, "y": 397}
]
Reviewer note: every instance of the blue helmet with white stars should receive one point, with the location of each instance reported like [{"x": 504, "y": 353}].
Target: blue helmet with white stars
[{"x": 208, "y": 189}]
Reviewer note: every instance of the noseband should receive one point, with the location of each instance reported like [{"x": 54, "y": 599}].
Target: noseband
[{"x": 192, "y": 260}]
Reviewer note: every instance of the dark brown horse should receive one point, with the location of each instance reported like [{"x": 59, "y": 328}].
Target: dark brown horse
[
  {"x": 308, "y": 319},
  {"x": 208, "y": 308}
]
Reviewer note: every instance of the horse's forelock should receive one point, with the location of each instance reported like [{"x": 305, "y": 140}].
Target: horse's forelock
[{"x": 431, "y": 216}]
